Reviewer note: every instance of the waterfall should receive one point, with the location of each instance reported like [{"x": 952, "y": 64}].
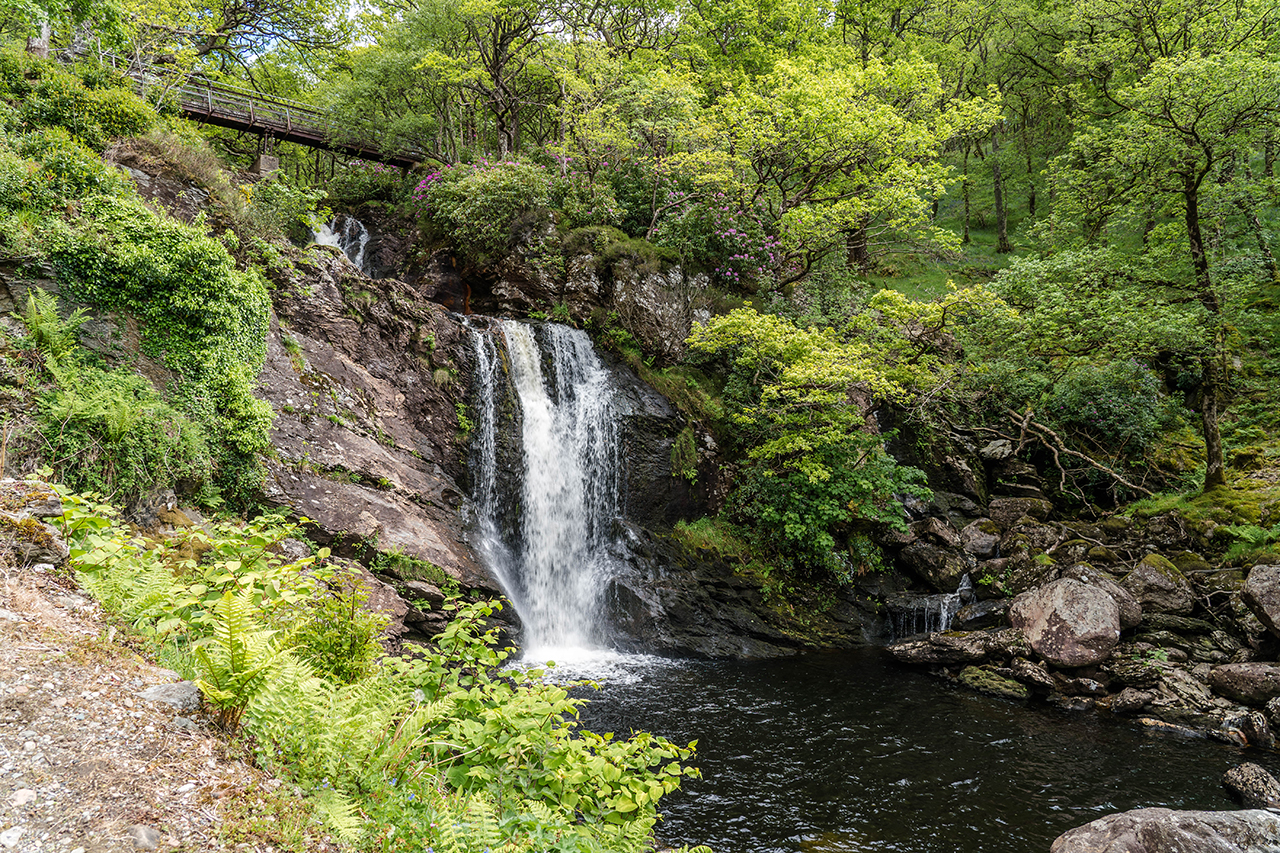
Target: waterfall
[
  {"x": 348, "y": 234},
  {"x": 550, "y": 551},
  {"x": 925, "y": 614}
]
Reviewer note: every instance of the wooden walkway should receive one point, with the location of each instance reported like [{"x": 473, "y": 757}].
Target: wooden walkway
[{"x": 240, "y": 109}]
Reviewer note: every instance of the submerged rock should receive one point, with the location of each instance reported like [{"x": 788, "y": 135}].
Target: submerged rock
[
  {"x": 986, "y": 681},
  {"x": 1167, "y": 831},
  {"x": 1068, "y": 623}
]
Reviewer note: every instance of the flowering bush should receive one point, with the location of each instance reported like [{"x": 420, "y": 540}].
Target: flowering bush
[
  {"x": 1119, "y": 404},
  {"x": 726, "y": 238}
]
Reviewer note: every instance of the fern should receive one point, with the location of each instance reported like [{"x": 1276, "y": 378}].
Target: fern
[
  {"x": 237, "y": 660},
  {"x": 339, "y": 813}
]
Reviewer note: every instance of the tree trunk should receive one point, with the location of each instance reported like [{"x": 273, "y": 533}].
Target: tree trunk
[
  {"x": 1211, "y": 378},
  {"x": 1215, "y": 470},
  {"x": 39, "y": 45},
  {"x": 964, "y": 192},
  {"x": 857, "y": 250},
  {"x": 997, "y": 189}
]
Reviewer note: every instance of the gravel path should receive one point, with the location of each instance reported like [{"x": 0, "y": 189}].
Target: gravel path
[{"x": 86, "y": 764}]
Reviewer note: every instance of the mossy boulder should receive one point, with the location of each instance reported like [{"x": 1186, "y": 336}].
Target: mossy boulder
[
  {"x": 986, "y": 681},
  {"x": 1159, "y": 586},
  {"x": 1102, "y": 554}
]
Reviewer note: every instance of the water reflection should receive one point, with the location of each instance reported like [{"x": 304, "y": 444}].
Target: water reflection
[{"x": 848, "y": 752}]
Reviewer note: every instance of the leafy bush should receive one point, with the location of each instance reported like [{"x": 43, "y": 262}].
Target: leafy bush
[
  {"x": 68, "y": 170},
  {"x": 51, "y": 96},
  {"x": 363, "y": 182},
  {"x": 727, "y": 239},
  {"x": 278, "y": 207},
  {"x": 476, "y": 205}
]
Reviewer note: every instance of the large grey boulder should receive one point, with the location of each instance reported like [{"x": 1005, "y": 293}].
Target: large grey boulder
[
  {"x": 1006, "y": 511},
  {"x": 981, "y": 538},
  {"x": 1261, "y": 593},
  {"x": 1249, "y": 683},
  {"x": 1067, "y": 622},
  {"x": 1170, "y": 831},
  {"x": 1159, "y": 585},
  {"x": 934, "y": 554},
  {"x": 1130, "y": 607}
]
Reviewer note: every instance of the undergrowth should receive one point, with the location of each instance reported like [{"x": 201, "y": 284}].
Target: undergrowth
[{"x": 445, "y": 750}]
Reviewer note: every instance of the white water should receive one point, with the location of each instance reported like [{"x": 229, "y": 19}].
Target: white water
[
  {"x": 930, "y": 613},
  {"x": 553, "y": 561},
  {"x": 351, "y": 237}
]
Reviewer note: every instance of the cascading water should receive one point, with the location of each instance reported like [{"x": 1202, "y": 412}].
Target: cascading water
[
  {"x": 553, "y": 558},
  {"x": 925, "y": 614},
  {"x": 348, "y": 234}
]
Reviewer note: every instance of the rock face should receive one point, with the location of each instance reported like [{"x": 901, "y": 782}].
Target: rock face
[
  {"x": 1068, "y": 623},
  {"x": 1167, "y": 831},
  {"x": 934, "y": 553},
  {"x": 1261, "y": 593},
  {"x": 667, "y": 600},
  {"x": 1159, "y": 585},
  {"x": 1250, "y": 683},
  {"x": 366, "y": 433}
]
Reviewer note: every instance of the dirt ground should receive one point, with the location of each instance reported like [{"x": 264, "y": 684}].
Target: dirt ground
[{"x": 87, "y": 765}]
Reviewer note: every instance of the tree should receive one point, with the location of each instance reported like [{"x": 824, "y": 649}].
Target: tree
[{"x": 1170, "y": 132}]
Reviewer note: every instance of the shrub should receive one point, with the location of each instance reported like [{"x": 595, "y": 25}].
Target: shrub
[
  {"x": 277, "y": 207},
  {"x": 363, "y": 182},
  {"x": 727, "y": 239},
  {"x": 68, "y": 169},
  {"x": 476, "y": 206},
  {"x": 1118, "y": 404}
]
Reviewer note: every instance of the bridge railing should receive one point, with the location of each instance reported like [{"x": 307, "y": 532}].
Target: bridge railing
[{"x": 200, "y": 97}]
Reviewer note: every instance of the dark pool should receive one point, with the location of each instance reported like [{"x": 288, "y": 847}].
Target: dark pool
[{"x": 850, "y": 752}]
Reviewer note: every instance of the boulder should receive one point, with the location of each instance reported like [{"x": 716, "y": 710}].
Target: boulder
[
  {"x": 1261, "y": 593},
  {"x": 1168, "y": 830},
  {"x": 934, "y": 554},
  {"x": 1130, "y": 608},
  {"x": 1159, "y": 586},
  {"x": 1006, "y": 511},
  {"x": 981, "y": 538},
  {"x": 1131, "y": 701},
  {"x": 1253, "y": 786},
  {"x": 1252, "y": 729},
  {"x": 981, "y": 614},
  {"x": 1248, "y": 683},
  {"x": 952, "y": 647},
  {"x": 1068, "y": 623},
  {"x": 1031, "y": 674}
]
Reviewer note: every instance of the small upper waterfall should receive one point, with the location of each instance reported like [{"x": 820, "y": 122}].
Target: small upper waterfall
[
  {"x": 925, "y": 614},
  {"x": 551, "y": 549},
  {"x": 348, "y": 234}
]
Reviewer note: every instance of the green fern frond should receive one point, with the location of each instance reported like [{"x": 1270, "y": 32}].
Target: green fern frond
[{"x": 340, "y": 814}]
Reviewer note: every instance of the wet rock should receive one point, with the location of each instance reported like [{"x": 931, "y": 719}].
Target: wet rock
[
  {"x": 1253, "y": 786},
  {"x": 1261, "y": 593},
  {"x": 981, "y": 538},
  {"x": 1252, "y": 727},
  {"x": 1248, "y": 683},
  {"x": 1006, "y": 511},
  {"x": 1176, "y": 624},
  {"x": 986, "y": 681},
  {"x": 1032, "y": 674},
  {"x": 953, "y": 647},
  {"x": 1160, "y": 830},
  {"x": 1023, "y": 572},
  {"x": 1159, "y": 586},
  {"x": 1131, "y": 700},
  {"x": 981, "y": 614},
  {"x": 934, "y": 554},
  {"x": 1272, "y": 712},
  {"x": 423, "y": 591},
  {"x": 1080, "y": 686},
  {"x": 1129, "y": 607},
  {"x": 1068, "y": 623}
]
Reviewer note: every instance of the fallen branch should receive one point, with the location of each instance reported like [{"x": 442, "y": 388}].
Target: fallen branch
[{"x": 1029, "y": 426}]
